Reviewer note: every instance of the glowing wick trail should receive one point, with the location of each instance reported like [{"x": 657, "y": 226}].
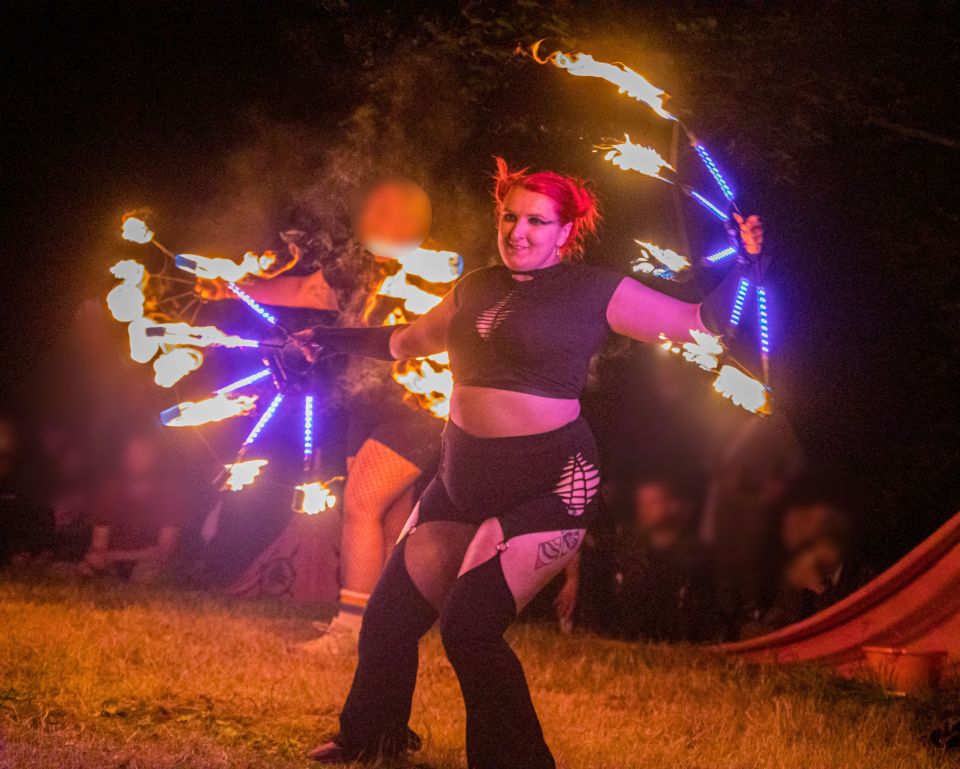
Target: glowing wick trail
[
  {"x": 627, "y": 81},
  {"x": 262, "y": 422},
  {"x": 738, "y": 302}
]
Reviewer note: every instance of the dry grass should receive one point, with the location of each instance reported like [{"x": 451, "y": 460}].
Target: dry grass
[{"x": 115, "y": 676}]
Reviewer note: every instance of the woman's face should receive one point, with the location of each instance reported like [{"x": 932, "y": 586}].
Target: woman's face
[{"x": 529, "y": 233}]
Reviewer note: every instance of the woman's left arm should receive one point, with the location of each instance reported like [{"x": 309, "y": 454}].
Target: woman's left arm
[
  {"x": 643, "y": 313},
  {"x": 640, "y": 312}
]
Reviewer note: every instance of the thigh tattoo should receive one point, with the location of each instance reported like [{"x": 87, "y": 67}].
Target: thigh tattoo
[{"x": 551, "y": 549}]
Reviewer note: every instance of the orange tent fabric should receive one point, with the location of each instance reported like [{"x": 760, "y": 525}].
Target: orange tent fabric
[
  {"x": 301, "y": 564},
  {"x": 915, "y": 604}
]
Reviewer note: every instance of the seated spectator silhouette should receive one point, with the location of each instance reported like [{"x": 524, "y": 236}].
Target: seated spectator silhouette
[
  {"x": 660, "y": 591},
  {"x": 26, "y": 529},
  {"x": 139, "y": 513},
  {"x": 820, "y": 562}
]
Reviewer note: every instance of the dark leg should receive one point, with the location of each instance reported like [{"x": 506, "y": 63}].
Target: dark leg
[
  {"x": 377, "y": 709},
  {"x": 503, "y": 731}
]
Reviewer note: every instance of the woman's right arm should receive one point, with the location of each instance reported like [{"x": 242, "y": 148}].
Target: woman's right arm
[{"x": 427, "y": 335}]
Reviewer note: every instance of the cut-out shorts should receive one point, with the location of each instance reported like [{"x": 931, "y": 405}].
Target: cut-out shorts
[{"x": 543, "y": 482}]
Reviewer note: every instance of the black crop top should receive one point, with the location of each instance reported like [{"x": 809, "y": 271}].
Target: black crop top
[{"x": 533, "y": 336}]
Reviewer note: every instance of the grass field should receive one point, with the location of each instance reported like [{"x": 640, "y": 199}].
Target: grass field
[{"x": 106, "y": 675}]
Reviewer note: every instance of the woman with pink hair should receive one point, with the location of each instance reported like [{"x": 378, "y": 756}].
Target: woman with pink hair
[{"x": 518, "y": 479}]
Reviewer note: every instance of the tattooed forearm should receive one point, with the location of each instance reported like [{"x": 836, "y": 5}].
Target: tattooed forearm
[{"x": 557, "y": 546}]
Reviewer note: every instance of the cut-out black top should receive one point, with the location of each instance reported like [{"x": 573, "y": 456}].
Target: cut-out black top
[{"x": 533, "y": 336}]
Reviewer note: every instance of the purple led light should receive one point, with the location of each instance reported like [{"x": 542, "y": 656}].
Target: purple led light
[
  {"x": 247, "y": 380},
  {"x": 721, "y": 255},
  {"x": 248, "y": 300},
  {"x": 714, "y": 171},
  {"x": 307, "y": 427},
  {"x": 762, "y": 312},
  {"x": 262, "y": 422},
  {"x": 708, "y": 205},
  {"x": 738, "y": 302}
]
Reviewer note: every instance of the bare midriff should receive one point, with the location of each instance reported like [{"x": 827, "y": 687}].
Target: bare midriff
[{"x": 486, "y": 412}]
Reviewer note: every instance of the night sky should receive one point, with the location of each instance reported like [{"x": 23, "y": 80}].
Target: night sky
[{"x": 109, "y": 106}]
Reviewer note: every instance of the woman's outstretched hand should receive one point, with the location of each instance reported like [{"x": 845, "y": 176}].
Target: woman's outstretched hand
[{"x": 751, "y": 233}]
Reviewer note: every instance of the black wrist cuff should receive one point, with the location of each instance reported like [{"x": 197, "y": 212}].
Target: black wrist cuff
[{"x": 372, "y": 342}]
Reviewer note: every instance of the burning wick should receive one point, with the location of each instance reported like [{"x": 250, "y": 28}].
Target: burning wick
[
  {"x": 136, "y": 230},
  {"x": 243, "y": 473}
]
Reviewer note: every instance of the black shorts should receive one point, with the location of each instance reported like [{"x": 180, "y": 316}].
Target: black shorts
[
  {"x": 543, "y": 482},
  {"x": 414, "y": 434}
]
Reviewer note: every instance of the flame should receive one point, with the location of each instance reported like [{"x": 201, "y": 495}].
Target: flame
[
  {"x": 174, "y": 365},
  {"x": 243, "y": 473},
  {"x": 432, "y": 266},
  {"x": 215, "y": 267},
  {"x": 627, "y": 81},
  {"x": 743, "y": 390},
  {"x": 136, "y": 230},
  {"x": 430, "y": 379},
  {"x": 415, "y": 300},
  {"x": 670, "y": 259},
  {"x": 634, "y": 157},
  {"x": 198, "y": 336},
  {"x": 125, "y": 302},
  {"x": 129, "y": 271},
  {"x": 313, "y": 498},
  {"x": 704, "y": 350},
  {"x": 215, "y": 409}
]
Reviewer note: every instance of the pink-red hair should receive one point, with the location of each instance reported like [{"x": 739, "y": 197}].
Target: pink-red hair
[{"x": 574, "y": 200}]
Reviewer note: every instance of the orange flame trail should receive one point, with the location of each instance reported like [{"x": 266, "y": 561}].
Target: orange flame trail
[{"x": 627, "y": 81}]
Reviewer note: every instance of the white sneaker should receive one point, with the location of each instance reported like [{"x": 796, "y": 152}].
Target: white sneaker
[{"x": 338, "y": 639}]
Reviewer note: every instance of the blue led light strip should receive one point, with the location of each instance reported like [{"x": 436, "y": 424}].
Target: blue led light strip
[
  {"x": 248, "y": 380},
  {"x": 708, "y": 205},
  {"x": 762, "y": 312},
  {"x": 721, "y": 255},
  {"x": 307, "y": 427},
  {"x": 262, "y": 422},
  {"x": 714, "y": 171},
  {"x": 738, "y": 302},
  {"x": 248, "y": 300}
]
